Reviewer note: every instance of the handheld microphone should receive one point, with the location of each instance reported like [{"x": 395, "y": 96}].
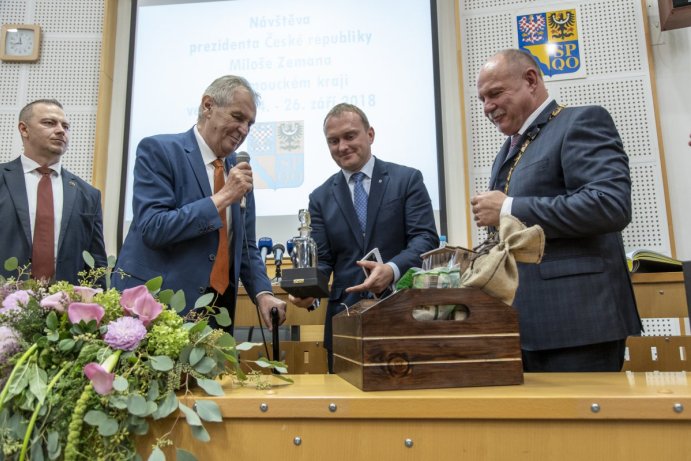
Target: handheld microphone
[
  {"x": 264, "y": 247},
  {"x": 290, "y": 245},
  {"x": 278, "y": 250},
  {"x": 242, "y": 157}
]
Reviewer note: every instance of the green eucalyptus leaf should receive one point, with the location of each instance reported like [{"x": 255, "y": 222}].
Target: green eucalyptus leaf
[
  {"x": 165, "y": 295},
  {"x": 38, "y": 382},
  {"x": 52, "y": 320},
  {"x": 196, "y": 355},
  {"x": 108, "y": 427},
  {"x": 95, "y": 417},
  {"x": 118, "y": 401},
  {"x": 52, "y": 336},
  {"x": 53, "y": 445},
  {"x": 223, "y": 317},
  {"x": 151, "y": 408},
  {"x": 200, "y": 433},
  {"x": 185, "y": 353},
  {"x": 154, "y": 284},
  {"x": 88, "y": 259},
  {"x": 262, "y": 363},
  {"x": 177, "y": 302},
  {"x": 205, "y": 365},
  {"x": 161, "y": 363},
  {"x": 209, "y": 411},
  {"x": 198, "y": 327},
  {"x": 141, "y": 428},
  {"x": 120, "y": 384},
  {"x": 111, "y": 260},
  {"x": 11, "y": 264},
  {"x": 226, "y": 340},
  {"x": 136, "y": 404},
  {"x": 169, "y": 405},
  {"x": 190, "y": 415},
  {"x": 153, "y": 392},
  {"x": 211, "y": 387},
  {"x": 156, "y": 455},
  {"x": 36, "y": 451},
  {"x": 247, "y": 346},
  {"x": 66, "y": 344},
  {"x": 204, "y": 300},
  {"x": 184, "y": 455}
]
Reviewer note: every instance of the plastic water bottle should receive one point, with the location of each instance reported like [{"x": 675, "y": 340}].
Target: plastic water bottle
[{"x": 442, "y": 241}]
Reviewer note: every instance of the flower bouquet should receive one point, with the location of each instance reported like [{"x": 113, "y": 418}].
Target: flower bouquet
[{"x": 83, "y": 369}]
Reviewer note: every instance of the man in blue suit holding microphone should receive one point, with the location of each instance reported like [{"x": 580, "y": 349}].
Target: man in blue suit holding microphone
[
  {"x": 368, "y": 204},
  {"x": 194, "y": 213}
]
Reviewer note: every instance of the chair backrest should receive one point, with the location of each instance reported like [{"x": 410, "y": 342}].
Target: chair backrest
[{"x": 658, "y": 353}]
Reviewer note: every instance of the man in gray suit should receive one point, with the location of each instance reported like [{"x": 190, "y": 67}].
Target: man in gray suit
[
  {"x": 566, "y": 171},
  {"x": 73, "y": 220}
]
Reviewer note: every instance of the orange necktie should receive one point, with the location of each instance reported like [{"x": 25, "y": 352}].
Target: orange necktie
[
  {"x": 43, "y": 247},
  {"x": 220, "y": 273}
]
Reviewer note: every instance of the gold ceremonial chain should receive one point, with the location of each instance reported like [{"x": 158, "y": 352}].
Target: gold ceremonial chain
[{"x": 525, "y": 145}]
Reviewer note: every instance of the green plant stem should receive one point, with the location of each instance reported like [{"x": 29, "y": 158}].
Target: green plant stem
[
  {"x": 20, "y": 362},
  {"x": 34, "y": 416},
  {"x": 75, "y": 427}
]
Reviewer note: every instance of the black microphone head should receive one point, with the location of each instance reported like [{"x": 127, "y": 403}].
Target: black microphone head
[
  {"x": 278, "y": 251},
  {"x": 241, "y": 157}
]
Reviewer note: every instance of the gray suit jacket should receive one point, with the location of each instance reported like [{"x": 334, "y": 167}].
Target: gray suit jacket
[
  {"x": 81, "y": 229},
  {"x": 400, "y": 222},
  {"x": 573, "y": 180}
]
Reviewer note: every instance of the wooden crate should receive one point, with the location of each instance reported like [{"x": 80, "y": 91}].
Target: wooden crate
[{"x": 378, "y": 345}]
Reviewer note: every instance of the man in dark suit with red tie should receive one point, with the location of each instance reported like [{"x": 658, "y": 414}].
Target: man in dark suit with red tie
[
  {"x": 49, "y": 216},
  {"x": 569, "y": 173}
]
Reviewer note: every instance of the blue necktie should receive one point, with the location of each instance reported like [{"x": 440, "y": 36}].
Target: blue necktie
[{"x": 360, "y": 200}]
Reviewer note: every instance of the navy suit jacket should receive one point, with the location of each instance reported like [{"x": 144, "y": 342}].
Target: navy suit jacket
[
  {"x": 81, "y": 228},
  {"x": 573, "y": 180},
  {"x": 174, "y": 231},
  {"x": 400, "y": 222}
]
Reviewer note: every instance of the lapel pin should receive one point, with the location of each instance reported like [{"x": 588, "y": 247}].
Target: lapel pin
[{"x": 72, "y": 183}]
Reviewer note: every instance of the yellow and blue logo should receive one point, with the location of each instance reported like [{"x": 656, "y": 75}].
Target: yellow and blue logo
[{"x": 552, "y": 37}]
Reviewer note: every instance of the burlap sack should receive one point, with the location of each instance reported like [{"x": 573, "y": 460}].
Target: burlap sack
[{"x": 494, "y": 270}]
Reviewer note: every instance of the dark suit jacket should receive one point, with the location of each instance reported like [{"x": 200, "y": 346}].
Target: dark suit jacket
[
  {"x": 81, "y": 228},
  {"x": 573, "y": 180},
  {"x": 174, "y": 232},
  {"x": 400, "y": 222}
]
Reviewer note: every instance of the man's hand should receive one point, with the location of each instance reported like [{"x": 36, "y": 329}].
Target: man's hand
[
  {"x": 380, "y": 278},
  {"x": 238, "y": 183},
  {"x": 486, "y": 208},
  {"x": 301, "y": 302},
  {"x": 265, "y": 302}
]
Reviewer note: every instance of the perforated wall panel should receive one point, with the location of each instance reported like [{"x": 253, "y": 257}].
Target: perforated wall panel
[
  {"x": 661, "y": 327},
  {"x": 613, "y": 45},
  {"x": 68, "y": 70}
]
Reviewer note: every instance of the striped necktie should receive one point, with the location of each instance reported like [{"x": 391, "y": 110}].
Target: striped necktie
[{"x": 360, "y": 199}]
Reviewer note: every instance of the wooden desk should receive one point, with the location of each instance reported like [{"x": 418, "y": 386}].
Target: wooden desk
[{"x": 550, "y": 417}]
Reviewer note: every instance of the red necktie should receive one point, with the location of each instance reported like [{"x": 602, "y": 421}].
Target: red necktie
[
  {"x": 43, "y": 248},
  {"x": 220, "y": 273}
]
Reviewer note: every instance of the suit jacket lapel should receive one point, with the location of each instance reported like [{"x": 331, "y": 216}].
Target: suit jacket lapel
[
  {"x": 380, "y": 180},
  {"x": 344, "y": 200},
  {"x": 69, "y": 197},
  {"x": 508, "y": 156},
  {"x": 16, "y": 187},
  {"x": 194, "y": 156}
]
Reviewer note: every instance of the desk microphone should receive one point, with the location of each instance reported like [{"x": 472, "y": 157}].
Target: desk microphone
[{"x": 264, "y": 245}]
